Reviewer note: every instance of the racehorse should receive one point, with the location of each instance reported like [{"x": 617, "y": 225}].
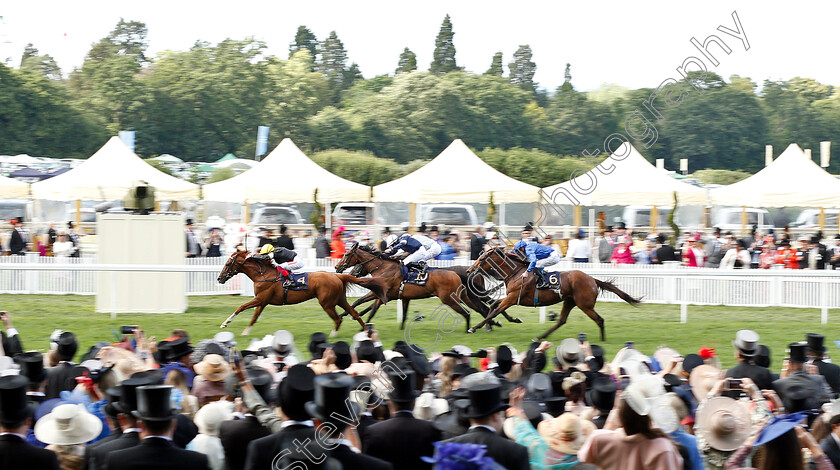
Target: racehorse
[
  {"x": 329, "y": 288},
  {"x": 577, "y": 289},
  {"x": 444, "y": 284}
]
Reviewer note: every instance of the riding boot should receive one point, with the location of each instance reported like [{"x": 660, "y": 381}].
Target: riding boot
[
  {"x": 421, "y": 267},
  {"x": 541, "y": 282},
  {"x": 287, "y": 280},
  {"x": 412, "y": 266}
]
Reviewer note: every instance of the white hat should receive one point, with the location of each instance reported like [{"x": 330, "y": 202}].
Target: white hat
[
  {"x": 68, "y": 424},
  {"x": 209, "y": 417},
  {"x": 359, "y": 338},
  {"x": 642, "y": 393},
  {"x": 390, "y": 354},
  {"x": 224, "y": 337},
  {"x": 462, "y": 350},
  {"x": 427, "y": 407},
  {"x": 282, "y": 341},
  {"x": 569, "y": 352}
]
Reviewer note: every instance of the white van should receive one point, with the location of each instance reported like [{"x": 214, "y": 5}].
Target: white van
[
  {"x": 730, "y": 218},
  {"x": 447, "y": 214},
  {"x": 276, "y": 215},
  {"x": 353, "y": 213}
]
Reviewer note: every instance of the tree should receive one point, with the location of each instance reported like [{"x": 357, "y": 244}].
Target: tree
[
  {"x": 128, "y": 38},
  {"x": 304, "y": 39},
  {"x": 567, "y": 79},
  {"x": 444, "y": 56},
  {"x": 44, "y": 65},
  {"x": 522, "y": 68},
  {"x": 352, "y": 74},
  {"x": 332, "y": 63},
  {"x": 496, "y": 68},
  {"x": 407, "y": 63}
]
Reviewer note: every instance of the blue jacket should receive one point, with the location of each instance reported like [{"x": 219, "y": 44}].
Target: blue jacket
[
  {"x": 535, "y": 251},
  {"x": 447, "y": 252},
  {"x": 406, "y": 243}
]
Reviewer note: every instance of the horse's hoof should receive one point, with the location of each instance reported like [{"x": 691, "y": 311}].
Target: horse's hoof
[
  {"x": 497, "y": 324},
  {"x": 333, "y": 333},
  {"x": 516, "y": 320},
  {"x": 471, "y": 330},
  {"x": 246, "y": 331},
  {"x": 223, "y": 325}
]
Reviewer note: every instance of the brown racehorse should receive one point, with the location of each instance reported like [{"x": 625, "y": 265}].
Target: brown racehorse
[
  {"x": 443, "y": 284},
  {"x": 329, "y": 288},
  {"x": 577, "y": 289}
]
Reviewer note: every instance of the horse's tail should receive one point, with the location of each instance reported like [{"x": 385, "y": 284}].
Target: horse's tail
[
  {"x": 610, "y": 287},
  {"x": 477, "y": 299},
  {"x": 374, "y": 285}
]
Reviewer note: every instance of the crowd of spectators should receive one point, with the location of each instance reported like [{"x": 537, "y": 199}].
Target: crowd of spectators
[{"x": 186, "y": 403}]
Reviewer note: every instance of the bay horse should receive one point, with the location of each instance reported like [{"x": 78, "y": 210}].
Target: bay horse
[
  {"x": 328, "y": 288},
  {"x": 577, "y": 289},
  {"x": 443, "y": 284}
]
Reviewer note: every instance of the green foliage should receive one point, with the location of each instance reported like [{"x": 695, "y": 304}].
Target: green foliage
[
  {"x": 359, "y": 166},
  {"x": 675, "y": 229},
  {"x": 44, "y": 65},
  {"x": 304, "y": 39},
  {"x": 318, "y": 214},
  {"x": 724, "y": 177},
  {"x": 332, "y": 63},
  {"x": 522, "y": 69},
  {"x": 128, "y": 38},
  {"x": 496, "y": 69},
  {"x": 221, "y": 174},
  {"x": 407, "y": 63},
  {"x": 533, "y": 166},
  {"x": 159, "y": 166},
  {"x": 444, "y": 55}
]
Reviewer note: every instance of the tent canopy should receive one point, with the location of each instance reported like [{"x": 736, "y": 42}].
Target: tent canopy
[
  {"x": 166, "y": 158},
  {"x": 12, "y": 188},
  {"x": 456, "y": 175},
  {"x": 108, "y": 174},
  {"x": 227, "y": 157},
  {"x": 286, "y": 175},
  {"x": 633, "y": 181},
  {"x": 792, "y": 180},
  {"x": 27, "y": 172},
  {"x": 235, "y": 163}
]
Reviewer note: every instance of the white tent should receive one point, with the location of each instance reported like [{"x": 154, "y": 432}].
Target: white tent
[
  {"x": 166, "y": 158},
  {"x": 792, "y": 180},
  {"x": 286, "y": 175},
  {"x": 11, "y": 188},
  {"x": 456, "y": 175},
  {"x": 240, "y": 163},
  {"x": 633, "y": 181},
  {"x": 108, "y": 174}
]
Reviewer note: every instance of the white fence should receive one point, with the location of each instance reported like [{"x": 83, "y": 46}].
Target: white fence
[{"x": 658, "y": 284}]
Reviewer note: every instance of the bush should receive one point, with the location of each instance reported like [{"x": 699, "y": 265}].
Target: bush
[
  {"x": 533, "y": 166},
  {"x": 709, "y": 176},
  {"x": 359, "y": 166}
]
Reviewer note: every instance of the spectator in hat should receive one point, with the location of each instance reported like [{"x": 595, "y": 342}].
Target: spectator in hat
[
  {"x": 579, "y": 249},
  {"x": 178, "y": 356},
  {"x": 486, "y": 415},
  {"x": 636, "y": 444},
  {"x": 780, "y": 445},
  {"x": 322, "y": 243},
  {"x": 797, "y": 382},
  {"x": 210, "y": 384},
  {"x": 284, "y": 240},
  {"x": 621, "y": 253},
  {"x": 236, "y": 434},
  {"x": 746, "y": 348},
  {"x": 816, "y": 351},
  {"x": 601, "y": 397},
  {"x": 9, "y": 339},
  {"x": 402, "y": 439},
  {"x": 477, "y": 242},
  {"x": 32, "y": 367},
  {"x": 158, "y": 425},
  {"x": 15, "y": 421},
  {"x": 831, "y": 444},
  {"x": 606, "y": 244},
  {"x": 664, "y": 251},
  {"x": 60, "y": 377},
  {"x": 193, "y": 245},
  {"x": 688, "y": 441},
  {"x": 19, "y": 237},
  {"x": 813, "y": 254},
  {"x": 332, "y": 398},
  {"x": 554, "y": 443},
  {"x": 65, "y": 429},
  {"x": 208, "y": 419}
]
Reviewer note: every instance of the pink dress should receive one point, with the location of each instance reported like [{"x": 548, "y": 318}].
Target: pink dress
[
  {"x": 622, "y": 255},
  {"x": 615, "y": 450}
]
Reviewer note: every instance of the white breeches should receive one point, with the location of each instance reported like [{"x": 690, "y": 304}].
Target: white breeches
[
  {"x": 432, "y": 251},
  {"x": 554, "y": 258},
  {"x": 417, "y": 256},
  {"x": 296, "y": 263}
]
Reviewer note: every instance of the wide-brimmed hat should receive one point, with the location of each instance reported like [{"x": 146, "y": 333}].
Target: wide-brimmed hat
[
  {"x": 213, "y": 368},
  {"x": 569, "y": 352},
  {"x": 177, "y": 349},
  {"x": 663, "y": 415},
  {"x": 702, "y": 379},
  {"x": 331, "y": 396},
  {"x": 122, "y": 360},
  {"x": 153, "y": 403},
  {"x": 643, "y": 392},
  {"x": 13, "y": 399},
  {"x": 402, "y": 386},
  {"x": 32, "y": 366},
  {"x": 601, "y": 394},
  {"x": 564, "y": 434},
  {"x": 724, "y": 422},
  {"x": 68, "y": 424},
  {"x": 664, "y": 356},
  {"x": 747, "y": 342},
  {"x": 779, "y": 425},
  {"x": 427, "y": 407},
  {"x": 484, "y": 401}
]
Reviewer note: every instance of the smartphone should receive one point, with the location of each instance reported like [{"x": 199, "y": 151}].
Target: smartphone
[
  {"x": 370, "y": 328},
  {"x": 128, "y": 329},
  {"x": 237, "y": 356},
  {"x": 628, "y": 345},
  {"x": 581, "y": 337},
  {"x": 733, "y": 384}
]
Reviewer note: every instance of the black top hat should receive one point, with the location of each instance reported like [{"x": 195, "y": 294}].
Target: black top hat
[
  {"x": 13, "y": 399},
  {"x": 189, "y": 222},
  {"x": 153, "y": 403},
  {"x": 815, "y": 343},
  {"x": 178, "y": 349},
  {"x": 504, "y": 358},
  {"x": 452, "y": 353},
  {"x": 314, "y": 340},
  {"x": 762, "y": 359},
  {"x": 671, "y": 381},
  {"x": 402, "y": 386},
  {"x": 261, "y": 380},
  {"x": 32, "y": 366},
  {"x": 454, "y": 422},
  {"x": 462, "y": 370},
  {"x": 796, "y": 398},
  {"x": 528, "y": 227},
  {"x": 422, "y": 227},
  {"x": 113, "y": 396},
  {"x": 416, "y": 360},
  {"x": 153, "y": 376},
  {"x": 602, "y": 394},
  {"x": 295, "y": 390},
  {"x": 342, "y": 355},
  {"x": 127, "y": 402},
  {"x": 621, "y": 225},
  {"x": 434, "y": 228},
  {"x": 690, "y": 362},
  {"x": 597, "y": 361},
  {"x": 368, "y": 352},
  {"x": 485, "y": 400},
  {"x": 797, "y": 352},
  {"x": 331, "y": 396},
  {"x": 67, "y": 346},
  {"x": 555, "y": 406}
]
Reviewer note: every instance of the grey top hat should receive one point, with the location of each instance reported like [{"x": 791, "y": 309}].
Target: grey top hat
[{"x": 747, "y": 342}]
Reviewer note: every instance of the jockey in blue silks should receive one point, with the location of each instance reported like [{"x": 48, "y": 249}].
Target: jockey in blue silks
[
  {"x": 406, "y": 244},
  {"x": 539, "y": 256}
]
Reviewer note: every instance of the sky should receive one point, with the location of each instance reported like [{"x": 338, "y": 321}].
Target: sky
[{"x": 632, "y": 44}]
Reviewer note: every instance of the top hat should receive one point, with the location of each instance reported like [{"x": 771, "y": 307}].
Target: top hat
[
  {"x": 762, "y": 358},
  {"x": 153, "y": 403},
  {"x": 747, "y": 342},
  {"x": 189, "y": 222},
  {"x": 113, "y": 396},
  {"x": 434, "y": 228},
  {"x": 422, "y": 227},
  {"x": 601, "y": 394},
  {"x": 690, "y": 361},
  {"x": 484, "y": 401},
  {"x": 127, "y": 401},
  {"x": 261, "y": 380},
  {"x": 596, "y": 363},
  {"x": 178, "y": 349},
  {"x": 13, "y": 399},
  {"x": 797, "y": 352},
  {"x": 314, "y": 340},
  {"x": 621, "y": 225},
  {"x": 282, "y": 342},
  {"x": 32, "y": 366},
  {"x": 153, "y": 376},
  {"x": 403, "y": 386},
  {"x": 331, "y": 394},
  {"x": 342, "y": 355},
  {"x": 295, "y": 390},
  {"x": 796, "y": 398},
  {"x": 504, "y": 358},
  {"x": 67, "y": 346},
  {"x": 528, "y": 227},
  {"x": 368, "y": 352},
  {"x": 555, "y": 406},
  {"x": 815, "y": 343},
  {"x": 417, "y": 360}
]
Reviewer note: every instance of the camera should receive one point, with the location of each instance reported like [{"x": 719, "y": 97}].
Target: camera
[
  {"x": 581, "y": 337},
  {"x": 370, "y": 328},
  {"x": 733, "y": 384},
  {"x": 629, "y": 344},
  {"x": 128, "y": 330}
]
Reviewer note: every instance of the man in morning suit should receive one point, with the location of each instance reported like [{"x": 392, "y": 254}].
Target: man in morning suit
[
  {"x": 14, "y": 423},
  {"x": 236, "y": 434}
]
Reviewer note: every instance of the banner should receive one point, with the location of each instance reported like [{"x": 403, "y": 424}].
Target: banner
[
  {"x": 262, "y": 140},
  {"x": 127, "y": 138}
]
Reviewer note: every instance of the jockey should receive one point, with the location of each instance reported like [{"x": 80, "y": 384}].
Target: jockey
[
  {"x": 539, "y": 257},
  {"x": 407, "y": 245},
  {"x": 285, "y": 259},
  {"x": 432, "y": 248}
]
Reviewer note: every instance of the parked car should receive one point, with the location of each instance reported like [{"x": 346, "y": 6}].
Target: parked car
[
  {"x": 810, "y": 219},
  {"x": 639, "y": 216},
  {"x": 448, "y": 214},
  {"x": 730, "y": 218},
  {"x": 353, "y": 213},
  {"x": 276, "y": 215}
]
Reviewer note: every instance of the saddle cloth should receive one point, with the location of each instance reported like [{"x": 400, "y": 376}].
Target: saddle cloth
[
  {"x": 300, "y": 281},
  {"x": 414, "y": 277},
  {"x": 553, "y": 279}
]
